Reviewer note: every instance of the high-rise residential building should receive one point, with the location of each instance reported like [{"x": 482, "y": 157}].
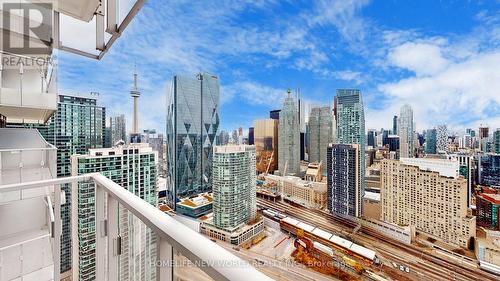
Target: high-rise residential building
[
  {"x": 275, "y": 114},
  {"x": 234, "y": 196},
  {"x": 344, "y": 194},
  {"x": 289, "y": 137},
  {"x": 496, "y": 141},
  {"x": 441, "y": 139},
  {"x": 134, "y": 168},
  {"x": 489, "y": 169},
  {"x": 251, "y": 135},
  {"x": 155, "y": 140},
  {"x": 427, "y": 194},
  {"x": 266, "y": 145},
  {"x": 370, "y": 138},
  {"x": 234, "y": 185},
  {"x": 395, "y": 125},
  {"x": 192, "y": 125},
  {"x": 117, "y": 125},
  {"x": 350, "y": 118},
  {"x": 78, "y": 125},
  {"x": 320, "y": 133},
  {"x": 406, "y": 132},
  {"x": 431, "y": 141}
]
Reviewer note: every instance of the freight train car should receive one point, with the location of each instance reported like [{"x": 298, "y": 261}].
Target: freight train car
[{"x": 292, "y": 225}]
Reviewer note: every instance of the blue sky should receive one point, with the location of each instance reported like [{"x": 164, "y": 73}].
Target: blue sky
[{"x": 441, "y": 57}]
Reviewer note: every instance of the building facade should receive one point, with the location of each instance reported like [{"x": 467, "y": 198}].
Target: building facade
[
  {"x": 441, "y": 139},
  {"x": 118, "y": 129},
  {"x": 419, "y": 194},
  {"x": 350, "y": 119},
  {"x": 320, "y": 133},
  {"x": 234, "y": 185},
  {"x": 313, "y": 194},
  {"x": 430, "y": 141},
  {"x": 266, "y": 145},
  {"x": 489, "y": 169},
  {"x": 405, "y": 132},
  {"x": 78, "y": 125},
  {"x": 344, "y": 196},
  {"x": 289, "y": 137},
  {"x": 134, "y": 168},
  {"x": 487, "y": 210},
  {"x": 496, "y": 141},
  {"x": 192, "y": 125}
]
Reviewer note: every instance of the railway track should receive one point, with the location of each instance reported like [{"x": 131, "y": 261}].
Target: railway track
[{"x": 366, "y": 236}]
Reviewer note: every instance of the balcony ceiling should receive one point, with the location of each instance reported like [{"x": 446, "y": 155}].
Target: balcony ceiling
[{"x": 78, "y": 9}]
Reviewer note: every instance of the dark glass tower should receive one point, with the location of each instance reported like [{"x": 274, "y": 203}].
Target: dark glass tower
[
  {"x": 351, "y": 130},
  {"x": 192, "y": 125}
]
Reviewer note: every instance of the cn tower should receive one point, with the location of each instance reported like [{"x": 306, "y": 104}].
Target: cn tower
[{"x": 135, "y": 94}]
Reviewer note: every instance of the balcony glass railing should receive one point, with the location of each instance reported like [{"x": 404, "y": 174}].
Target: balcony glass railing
[{"x": 130, "y": 238}]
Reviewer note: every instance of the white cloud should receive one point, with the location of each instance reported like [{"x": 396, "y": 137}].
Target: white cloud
[
  {"x": 464, "y": 91},
  {"x": 421, "y": 58}
]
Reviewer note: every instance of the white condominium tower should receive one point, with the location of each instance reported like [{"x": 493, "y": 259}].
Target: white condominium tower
[{"x": 234, "y": 185}]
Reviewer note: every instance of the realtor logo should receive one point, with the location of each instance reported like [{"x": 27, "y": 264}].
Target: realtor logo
[{"x": 27, "y": 27}]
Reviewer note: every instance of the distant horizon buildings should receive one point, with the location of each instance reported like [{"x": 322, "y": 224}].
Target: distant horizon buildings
[
  {"x": 405, "y": 131},
  {"x": 193, "y": 122},
  {"x": 350, "y": 119},
  {"x": 289, "y": 137}
]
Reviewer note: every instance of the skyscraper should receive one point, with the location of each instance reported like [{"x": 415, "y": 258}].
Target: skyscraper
[
  {"x": 251, "y": 136},
  {"x": 344, "y": 196},
  {"x": 395, "y": 125},
  {"x": 441, "y": 139},
  {"x": 266, "y": 145},
  {"x": 78, "y": 125},
  {"x": 430, "y": 141},
  {"x": 405, "y": 132},
  {"x": 192, "y": 124},
  {"x": 234, "y": 217},
  {"x": 370, "y": 138},
  {"x": 234, "y": 185},
  {"x": 351, "y": 130},
  {"x": 289, "y": 137},
  {"x": 320, "y": 133},
  {"x": 133, "y": 167},
  {"x": 118, "y": 129}
]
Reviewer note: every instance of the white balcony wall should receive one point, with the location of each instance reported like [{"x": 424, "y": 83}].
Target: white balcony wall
[
  {"x": 25, "y": 215},
  {"x": 27, "y": 95}
]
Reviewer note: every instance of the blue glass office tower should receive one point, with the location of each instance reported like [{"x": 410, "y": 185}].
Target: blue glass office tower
[
  {"x": 430, "y": 141},
  {"x": 192, "y": 125},
  {"x": 350, "y": 118}
]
